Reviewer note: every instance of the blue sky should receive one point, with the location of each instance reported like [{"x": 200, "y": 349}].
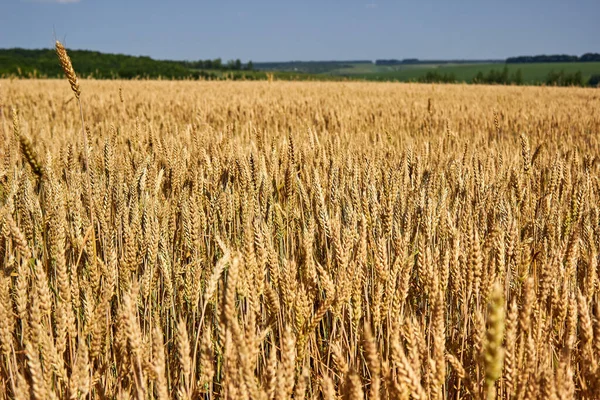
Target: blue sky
[{"x": 306, "y": 30}]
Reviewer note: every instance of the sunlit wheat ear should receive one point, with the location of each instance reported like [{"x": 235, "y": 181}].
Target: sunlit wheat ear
[
  {"x": 31, "y": 156},
  {"x": 26, "y": 148},
  {"x": 16, "y": 122},
  {"x": 67, "y": 66}
]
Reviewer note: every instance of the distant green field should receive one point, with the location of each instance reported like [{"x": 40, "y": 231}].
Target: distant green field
[{"x": 532, "y": 73}]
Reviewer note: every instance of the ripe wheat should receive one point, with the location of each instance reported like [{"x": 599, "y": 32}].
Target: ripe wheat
[{"x": 315, "y": 240}]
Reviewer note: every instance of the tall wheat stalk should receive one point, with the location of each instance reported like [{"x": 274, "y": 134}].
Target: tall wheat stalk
[{"x": 67, "y": 67}]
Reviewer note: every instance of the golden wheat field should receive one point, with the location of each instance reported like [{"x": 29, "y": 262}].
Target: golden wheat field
[{"x": 272, "y": 240}]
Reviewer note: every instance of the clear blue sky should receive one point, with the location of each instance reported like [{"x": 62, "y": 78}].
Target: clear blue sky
[{"x": 306, "y": 30}]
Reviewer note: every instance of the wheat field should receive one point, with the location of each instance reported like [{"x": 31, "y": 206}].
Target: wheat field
[{"x": 275, "y": 240}]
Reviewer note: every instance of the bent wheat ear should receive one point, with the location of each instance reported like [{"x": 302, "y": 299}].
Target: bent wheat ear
[
  {"x": 26, "y": 148},
  {"x": 31, "y": 156},
  {"x": 67, "y": 67}
]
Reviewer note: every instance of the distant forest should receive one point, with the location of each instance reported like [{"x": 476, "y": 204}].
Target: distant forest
[
  {"x": 415, "y": 61},
  {"x": 587, "y": 57},
  {"x": 43, "y": 63}
]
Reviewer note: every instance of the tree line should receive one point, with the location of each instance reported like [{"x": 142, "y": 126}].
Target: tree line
[
  {"x": 504, "y": 77},
  {"x": 416, "y": 61},
  {"x": 543, "y": 58},
  {"x": 42, "y": 63},
  {"x": 217, "y": 64},
  {"x": 587, "y": 57},
  {"x": 310, "y": 67}
]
